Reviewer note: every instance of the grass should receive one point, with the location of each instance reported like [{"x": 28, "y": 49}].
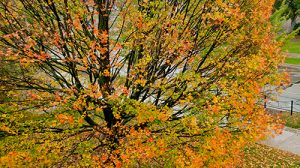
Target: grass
[
  {"x": 295, "y": 61},
  {"x": 292, "y": 121},
  {"x": 258, "y": 155},
  {"x": 293, "y": 46}
]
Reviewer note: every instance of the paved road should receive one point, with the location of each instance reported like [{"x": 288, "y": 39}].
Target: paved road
[
  {"x": 291, "y": 93},
  {"x": 289, "y": 141},
  {"x": 284, "y": 101}
]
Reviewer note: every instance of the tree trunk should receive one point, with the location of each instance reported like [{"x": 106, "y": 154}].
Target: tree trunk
[{"x": 104, "y": 80}]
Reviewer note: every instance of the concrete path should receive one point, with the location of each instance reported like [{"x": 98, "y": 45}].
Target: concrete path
[
  {"x": 293, "y": 70},
  {"x": 293, "y": 55},
  {"x": 289, "y": 141}
]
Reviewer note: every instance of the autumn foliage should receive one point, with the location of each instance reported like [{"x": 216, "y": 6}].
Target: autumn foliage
[{"x": 133, "y": 83}]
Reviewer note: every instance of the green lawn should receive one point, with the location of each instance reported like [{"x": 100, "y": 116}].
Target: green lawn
[
  {"x": 292, "y": 121},
  {"x": 295, "y": 61},
  {"x": 293, "y": 46}
]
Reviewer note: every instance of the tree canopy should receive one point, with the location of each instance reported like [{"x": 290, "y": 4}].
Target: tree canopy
[
  {"x": 291, "y": 10},
  {"x": 135, "y": 82}
]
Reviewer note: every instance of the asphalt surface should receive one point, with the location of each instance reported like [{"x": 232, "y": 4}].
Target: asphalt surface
[
  {"x": 289, "y": 140},
  {"x": 289, "y": 99}
]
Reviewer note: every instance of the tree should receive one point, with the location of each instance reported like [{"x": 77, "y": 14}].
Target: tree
[
  {"x": 132, "y": 82},
  {"x": 292, "y": 10}
]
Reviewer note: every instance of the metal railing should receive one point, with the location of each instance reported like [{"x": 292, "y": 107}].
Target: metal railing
[{"x": 292, "y": 105}]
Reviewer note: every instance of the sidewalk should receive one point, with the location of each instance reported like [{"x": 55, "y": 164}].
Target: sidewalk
[
  {"x": 289, "y": 141},
  {"x": 293, "y": 55}
]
